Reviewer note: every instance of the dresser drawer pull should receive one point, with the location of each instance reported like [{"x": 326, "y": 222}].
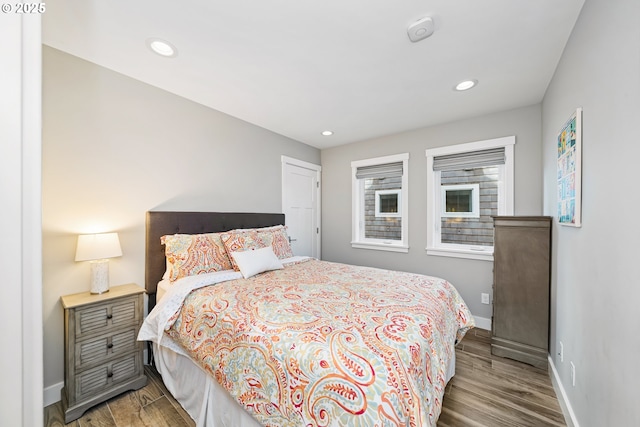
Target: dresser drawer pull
[
  {"x": 109, "y": 316},
  {"x": 110, "y": 345},
  {"x": 110, "y": 374}
]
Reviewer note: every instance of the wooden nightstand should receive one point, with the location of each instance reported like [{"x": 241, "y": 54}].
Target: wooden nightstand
[{"x": 102, "y": 356}]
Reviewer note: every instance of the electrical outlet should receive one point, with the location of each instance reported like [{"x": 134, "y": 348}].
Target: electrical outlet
[
  {"x": 573, "y": 374},
  {"x": 561, "y": 351},
  {"x": 484, "y": 298}
]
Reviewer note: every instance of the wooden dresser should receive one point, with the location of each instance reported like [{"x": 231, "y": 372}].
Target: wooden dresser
[
  {"x": 102, "y": 356},
  {"x": 521, "y": 287}
]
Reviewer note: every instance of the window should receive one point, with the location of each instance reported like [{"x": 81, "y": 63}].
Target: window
[
  {"x": 460, "y": 201},
  {"x": 467, "y": 185},
  {"x": 388, "y": 203},
  {"x": 380, "y": 204}
]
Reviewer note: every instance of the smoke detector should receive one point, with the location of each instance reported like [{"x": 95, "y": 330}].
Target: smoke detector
[{"x": 421, "y": 29}]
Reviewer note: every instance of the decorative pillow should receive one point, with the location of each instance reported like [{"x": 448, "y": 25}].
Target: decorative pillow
[
  {"x": 279, "y": 239},
  {"x": 244, "y": 240},
  {"x": 191, "y": 254},
  {"x": 256, "y": 261},
  {"x": 280, "y": 242}
]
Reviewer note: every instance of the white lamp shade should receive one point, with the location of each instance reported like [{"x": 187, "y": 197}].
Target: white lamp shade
[{"x": 98, "y": 246}]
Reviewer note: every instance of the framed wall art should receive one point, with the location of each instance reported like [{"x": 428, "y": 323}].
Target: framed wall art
[{"x": 570, "y": 171}]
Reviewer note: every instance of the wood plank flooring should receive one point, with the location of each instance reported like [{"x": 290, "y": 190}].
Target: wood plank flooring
[
  {"x": 493, "y": 391},
  {"x": 151, "y": 406},
  {"x": 487, "y": 391}
]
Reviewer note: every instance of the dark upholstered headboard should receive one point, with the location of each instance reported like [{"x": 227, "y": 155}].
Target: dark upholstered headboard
[{"x": 162, "y": 223}]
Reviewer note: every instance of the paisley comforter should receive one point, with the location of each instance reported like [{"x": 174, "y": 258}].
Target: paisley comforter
[{"x": 320, "y": 343}]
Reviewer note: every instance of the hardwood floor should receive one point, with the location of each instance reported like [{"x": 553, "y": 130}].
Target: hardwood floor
[
  {"x": 493, "y": 391},
  {"x": 487, "y": 391},
  {"x": 151, "y": 406}
]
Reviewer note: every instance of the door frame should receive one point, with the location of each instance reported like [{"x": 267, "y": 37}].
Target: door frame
[
  {"x": 318, "y": 170},
  {"x": 22, "y": 289}
]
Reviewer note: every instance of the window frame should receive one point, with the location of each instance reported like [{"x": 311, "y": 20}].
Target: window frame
[
  {"x": 475, "y": 201},
  {"x": 358, "y": 240},
  {"x": 380, "y": 214},
  {"x": 434, "y": 197}
]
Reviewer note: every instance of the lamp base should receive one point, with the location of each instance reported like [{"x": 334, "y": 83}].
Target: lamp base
[{"x": 99, "y": 276}]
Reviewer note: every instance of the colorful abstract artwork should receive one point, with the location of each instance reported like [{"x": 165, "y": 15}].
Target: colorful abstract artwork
[{"x": 569, "y": 171}]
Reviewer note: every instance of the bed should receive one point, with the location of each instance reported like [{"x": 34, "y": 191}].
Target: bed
[{"x": 304, "y": 342}]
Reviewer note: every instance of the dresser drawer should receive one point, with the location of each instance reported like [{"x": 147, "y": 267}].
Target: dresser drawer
[
  {"x": 103, "y": 377},
  {"x": 96, "y": 350},
  {"x": 115, "y": 313}
]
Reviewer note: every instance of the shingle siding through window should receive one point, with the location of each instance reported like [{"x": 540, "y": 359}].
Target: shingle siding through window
[
  {"x": 380, "y": 227},
  {"x": 473, "y": 231}
]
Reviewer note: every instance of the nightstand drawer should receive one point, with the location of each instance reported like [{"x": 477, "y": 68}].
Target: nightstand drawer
[
  {"x": 99, "y": 349},
  {"x": 108, "y": 375},
  {"x": 110, "y": 314}
]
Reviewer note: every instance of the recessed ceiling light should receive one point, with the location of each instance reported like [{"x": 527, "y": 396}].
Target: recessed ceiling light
[
  {"x": 162, "y": 47},
  {"x": 327, "y": 133},
  {"x": 465, "y": 85}
]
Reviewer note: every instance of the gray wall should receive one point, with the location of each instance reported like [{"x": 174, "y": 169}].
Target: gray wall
[
  {"x": 471, "y": 277},
  {"x": 114, "y": 148},
  {"x": 595, "y": 286}
]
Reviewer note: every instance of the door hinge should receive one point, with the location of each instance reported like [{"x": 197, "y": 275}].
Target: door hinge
[
  {"x": 317, "y": 230},
  {"x": 317, "y": 184}
]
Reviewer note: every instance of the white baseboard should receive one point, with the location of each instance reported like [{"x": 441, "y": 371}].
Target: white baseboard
[
  {"x": 482, "y": 322},
  {"x": 563, "y": 400},
  {"x": 52, "y": 393}
]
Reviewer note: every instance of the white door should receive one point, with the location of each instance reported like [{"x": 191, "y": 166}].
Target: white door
[{"x": 301, "y": 205}]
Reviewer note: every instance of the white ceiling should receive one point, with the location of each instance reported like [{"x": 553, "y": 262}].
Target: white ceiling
[{"x": 300, "y": 67}]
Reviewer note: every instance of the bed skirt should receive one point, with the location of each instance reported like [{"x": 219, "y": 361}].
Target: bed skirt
[{"x": 206, "y": 401}]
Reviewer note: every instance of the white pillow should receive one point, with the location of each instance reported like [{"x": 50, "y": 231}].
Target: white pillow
[{"x": 256, "y": 261}]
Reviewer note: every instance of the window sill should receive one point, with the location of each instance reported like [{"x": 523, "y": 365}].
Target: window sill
[
  {"x": 461, "y": 253},
  {"x": 380, "y": 247}
]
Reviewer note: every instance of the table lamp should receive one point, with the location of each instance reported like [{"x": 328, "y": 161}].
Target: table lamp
[{"x": 97, "y": 248}]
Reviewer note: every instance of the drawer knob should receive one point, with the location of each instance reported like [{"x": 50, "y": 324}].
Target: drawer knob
[
  {"x": 110, "y": 345},
  {"x": 110, "y": 374},
  {"x": 109, "y": 316}
]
